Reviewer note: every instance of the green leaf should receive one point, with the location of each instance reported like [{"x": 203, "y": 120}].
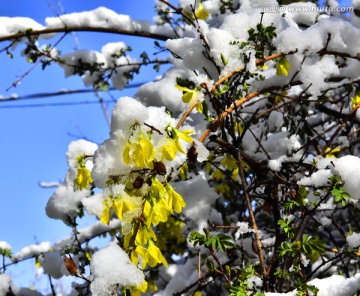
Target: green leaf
[
  {"x": 220, "y": 241},
  {"x": 6, "y": 252},
  {"x": 197, "y": 238},
  {"x": 223, "y": 59}
]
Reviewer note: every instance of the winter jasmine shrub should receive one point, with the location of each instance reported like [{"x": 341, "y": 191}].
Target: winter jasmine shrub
[{"x": 235, "y": 173}]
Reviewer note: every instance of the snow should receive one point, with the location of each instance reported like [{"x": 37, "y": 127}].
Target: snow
[
  {"x": 31, "y": 251},
  {"x": 348, "y": 167},
  {"x": 13, "y": 25},
  {"x": 180, "y": 276},
  {"x": 5, "y": 245},
  {"x": 335, "y": 285},
  {"x": 109, "y": 276},
  {"x": 353, "y": 240},
  {"x": 88, "y": 233},
  {"x": 94, "y": 204},
  {"x": 53, "y": 264},
  {"x": 199, "y": 198},
  {"x": 317, "y": 179},
  {"x": 243, "y": 228},
  {"x": 6, "y": 287},
  {"x": 161, "y": 92},
  {"x": 65, "y": 201},
  {"x": 103, "y": 17},
  {"x": 5, "y": 283}
]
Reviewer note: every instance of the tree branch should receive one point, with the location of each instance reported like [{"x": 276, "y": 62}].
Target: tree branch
[{"x": 69, "y": 29}]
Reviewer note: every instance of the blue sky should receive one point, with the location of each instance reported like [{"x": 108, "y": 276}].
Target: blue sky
[{"x": 34, "y": 140}]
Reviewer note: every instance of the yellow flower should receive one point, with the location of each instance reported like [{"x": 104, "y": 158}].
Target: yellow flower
[
  {"x": 355, "y": 101},
  {"x": 189, "y": 95},
  {"x": 183, "y": 171},
  {"x": 331, "y": 153},
  {"x": 157, "y": 189},
  {"x": 140, "y": 153},
  {"x": 184, "y": 135},
  {"x": 142, "y": 288},
  {"x": 143, "y": 235},
  {"x": 159, "y": 212},
  {"x": 175, "y": 200},
  {"x": 105, "y": 216},
  {"x": 168, "y": 151},
  {"x": 122, "y": 205},
  {"x": 154, "y": 256},
  {"x": 83, "y": 178},
  {"x": 283, "y": 67},
  {"x": 201, "y": 13},
  {"x": 151, "y": 256}
]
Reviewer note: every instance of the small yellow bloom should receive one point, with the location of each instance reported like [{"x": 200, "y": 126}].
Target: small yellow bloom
[
  {"x": 105, "y": 216},
  {"x": 331, "y": 153},
  {"x": 201, "y": 13},
  {"x": 143, "y": 235},
  {"x": 154, "y": 256},
  {"x": 151, "y": 256},
  {"x": 157, "y": 213},
  {"x": 184, "y": 135},
  {"x": 199, "y": 107},
  {"x": 137, "y": 290},
  {"x": 37, "y": 262},
  {"x": 168, "y": 151},
  {"x": 283, "y": 67},
  {"x": 122, "y": 205},
  {"x": 140, "y": 153},
  {"x": 157, "y": 189},
  {"x": 183, "y": 171},
  {"x": 355, "y": 101},
  {"x": 189, "y": 95},
  {"x": 83, "y": 178},
  {"x": 175, "y": 200}
]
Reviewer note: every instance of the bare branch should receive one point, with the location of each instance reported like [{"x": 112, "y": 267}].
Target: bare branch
[{"x": 69, "y": 29}]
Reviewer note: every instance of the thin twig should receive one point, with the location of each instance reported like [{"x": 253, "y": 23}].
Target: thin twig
[
  {"x": 15, "y": 83},
  {"x": 215, "y": 124},
  {"x": 252, "y": 218},
  {"x": 103, "y": 107}
]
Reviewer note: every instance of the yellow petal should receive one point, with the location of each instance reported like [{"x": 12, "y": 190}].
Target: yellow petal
[
  {"x": 105, "y": 216},
  {"x": 201, "y": 13},
  {"x": 122, "y": 205},
  {"x": 175, "y": 200},
  {"x": 187, "y": 97},
  {"x": 142, "y": 236},
  {"x": 126, "y": 154},
  {"x": 355, "y": 100},
  {"x": 184, "y": 135},
  {"x": 183, "y": 88},
  {"x": 83, "y": 178},
  {"x": 283, "y": 67},
  {"x": 168, "y": 151},
  {"x": 154, "y": 256}
]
